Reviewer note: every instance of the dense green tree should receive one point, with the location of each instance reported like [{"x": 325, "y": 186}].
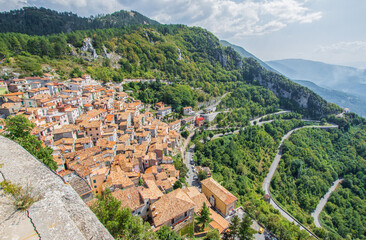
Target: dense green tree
[
  {"x": 212, "y": 235},
  {"x": 233, "y": 230},
  {"x": 181, "y": 166},
  {"x": 203, "y": 217},
  {"x": 166, "y": 233},
  {"x": 120, "y": 222},
  {"x": 185, "y": 134},
  {"x": 18, "y": 128},
  {"x": 177, "y": 184},
  {"x": 202, "y": 175},
  {"x": 76, "y": 73},
  {"x": 245, "y": 231}
]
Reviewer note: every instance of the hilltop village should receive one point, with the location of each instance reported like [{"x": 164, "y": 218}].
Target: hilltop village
[{"x": 103, "y": 138}]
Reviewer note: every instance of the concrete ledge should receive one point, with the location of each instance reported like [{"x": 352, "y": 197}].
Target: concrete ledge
[{"x": 61, "y": 213}]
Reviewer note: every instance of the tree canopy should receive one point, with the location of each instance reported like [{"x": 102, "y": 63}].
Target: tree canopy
[{"x": 18, "y": 129}]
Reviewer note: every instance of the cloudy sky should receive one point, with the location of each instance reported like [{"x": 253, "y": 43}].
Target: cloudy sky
[{"x": 331, "y": 31}]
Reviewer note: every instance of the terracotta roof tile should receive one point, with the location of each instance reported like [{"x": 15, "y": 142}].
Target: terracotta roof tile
[
  {"x": 129, "y": 197},
  {"x": 169, "y": 206},
  {"x": 222, "y": 193}
]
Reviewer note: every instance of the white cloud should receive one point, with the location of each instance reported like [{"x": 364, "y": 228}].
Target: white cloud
[
  {"x": 6, "y": 5},
  {"x": 226, "y": 18}
]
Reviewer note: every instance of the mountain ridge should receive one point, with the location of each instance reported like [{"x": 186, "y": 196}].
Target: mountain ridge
[
  {"x": 244, "y": 53},
  {"x": 42, "y": 21}
]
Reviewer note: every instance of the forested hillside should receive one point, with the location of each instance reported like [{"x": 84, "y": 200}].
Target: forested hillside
[
  {"x": 180, "y": 54},
  {"x": 313, "y": 159},
  {"x": 240, "y": 163},
  {"x": 42, "y": 21},
  {"x": 245, "y": 54}
]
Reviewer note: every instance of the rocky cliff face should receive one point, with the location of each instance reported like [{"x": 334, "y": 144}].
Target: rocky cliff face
[
  {"x": 59, "y": 214},
  {"x": 88, "y": 47},
  {"x": 301, "y": 97},
  {"x": 314, "y": 105}
]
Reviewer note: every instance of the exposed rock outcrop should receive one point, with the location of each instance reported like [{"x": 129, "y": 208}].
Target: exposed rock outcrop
[
  {"x": 88, "y": 47},
  {"x": 60, "y": 213}
]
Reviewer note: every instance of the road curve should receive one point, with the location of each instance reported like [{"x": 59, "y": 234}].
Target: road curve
[
  {"x": 324, "y": 201},
  {"x": 272, "y": 169},
  {"x": 256, "y": 121}
]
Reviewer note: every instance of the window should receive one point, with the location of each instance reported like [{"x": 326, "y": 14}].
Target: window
[
  {"x": 139, "y": 213},
  {"x": 95, "y": 186},
  {"x": 185, "y": 214},
  {"x": 94, "y": 181}
]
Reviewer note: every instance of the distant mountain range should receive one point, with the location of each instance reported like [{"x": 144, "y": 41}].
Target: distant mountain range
[
  {"x": 353, "y": 102},
  {"x": 244, "y": 53},
  {"x": 345, "y": 86},
  {"x": 341, "y": 78},
  {"x": 42, "y": 21}
]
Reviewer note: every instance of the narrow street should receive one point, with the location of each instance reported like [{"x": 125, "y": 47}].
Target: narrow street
[{"x": 192, "y": 178}]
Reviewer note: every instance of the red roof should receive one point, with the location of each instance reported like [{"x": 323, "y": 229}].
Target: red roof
[
  {"x": 200, "y": 119},
  {"x": 109, "y": 118}
]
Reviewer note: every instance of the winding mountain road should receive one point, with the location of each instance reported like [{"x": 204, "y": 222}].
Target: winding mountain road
[
  {"x": 324, "y": 201},
  {"x": 272, "y": 169},
  {"x": 253, "y": 122}
]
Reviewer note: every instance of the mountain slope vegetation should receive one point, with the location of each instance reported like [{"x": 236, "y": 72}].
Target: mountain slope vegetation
[
  {"x": 240, "y": 163},
  {"x": 180, "y": 54},
  {"x": 312, "y": 159},
  {"x": 42, "y": 21},
  {"x": 245, "y": 54}
]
